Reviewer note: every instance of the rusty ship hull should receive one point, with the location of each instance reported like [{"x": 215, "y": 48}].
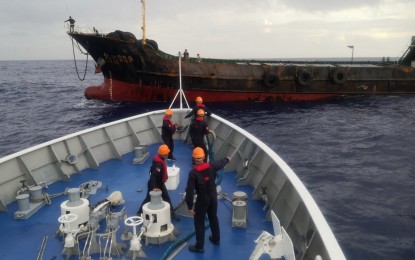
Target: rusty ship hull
[{"x": 136, "y": 70}]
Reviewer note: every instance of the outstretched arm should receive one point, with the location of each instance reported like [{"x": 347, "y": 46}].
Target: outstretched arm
[
  {"x": 208, "y": 112},
  {"x": 217, "y": 165},
  {"x": 191, "y": 113}
]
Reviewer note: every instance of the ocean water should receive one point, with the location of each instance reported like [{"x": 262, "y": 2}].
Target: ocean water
[{"x": 355, "y": 155}]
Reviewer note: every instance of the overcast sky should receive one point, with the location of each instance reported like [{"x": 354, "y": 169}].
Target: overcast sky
[{"x": 34, "y": 29}]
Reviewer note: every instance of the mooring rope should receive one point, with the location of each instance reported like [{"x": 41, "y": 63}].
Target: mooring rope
[
  {"x": 212, "y": 158},
  {"x": 177, "y": 244},
  {"x": 76, "y": 66}
]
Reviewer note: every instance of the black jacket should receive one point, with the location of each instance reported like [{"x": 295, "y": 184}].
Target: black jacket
[
  {"x": 202, "y": 181},
  {"x": 198, "y": 129},
  {"x": 168, "y": 128},
  {"x": 158, "y": 173}
]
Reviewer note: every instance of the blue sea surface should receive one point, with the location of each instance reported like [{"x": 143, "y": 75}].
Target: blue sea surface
[{"x": 355, "y": 154}]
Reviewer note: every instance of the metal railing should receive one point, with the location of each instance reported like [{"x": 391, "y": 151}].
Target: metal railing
[{"x": 88, "y": 30}]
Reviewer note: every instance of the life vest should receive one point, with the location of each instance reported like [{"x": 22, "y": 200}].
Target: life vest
[
  {"x": 201, "y": 168},
  {"x": 166, "y": 118}
]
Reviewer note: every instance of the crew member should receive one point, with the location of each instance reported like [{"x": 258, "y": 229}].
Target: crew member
[
  {"x": 198, "y": 129},
  {"x": 71, "y": 24},
  {"x": 186, "y": 54},
  {"x": 199, "y": 105},
  {"x": 158, "y": 177},
  {"x": 167, "y": 131},
  {"x": 202, "y": 181}
]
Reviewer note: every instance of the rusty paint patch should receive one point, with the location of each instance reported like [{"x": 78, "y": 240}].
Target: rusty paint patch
[{"x": 408, "y": 69}]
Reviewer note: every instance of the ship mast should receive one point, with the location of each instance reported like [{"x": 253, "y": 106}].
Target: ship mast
[
  {"x": 143, "y": 10},
  {"x": 180, "y": 91}
]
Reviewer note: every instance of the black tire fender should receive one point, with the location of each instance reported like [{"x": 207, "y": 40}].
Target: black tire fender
[
  {"x": 339, "y": 76},
  {"x": 115, "y": 34},
  {"x": 305, "y": 78},
  {"x": 270, "y": 79},
  {"x": 153, "y": 44}
]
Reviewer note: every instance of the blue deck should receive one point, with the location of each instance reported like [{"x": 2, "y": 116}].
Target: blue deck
[{"x": 22, "y": 239}]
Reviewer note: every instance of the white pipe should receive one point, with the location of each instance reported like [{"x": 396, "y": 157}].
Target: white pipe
[{"x": 180, "y": 78}]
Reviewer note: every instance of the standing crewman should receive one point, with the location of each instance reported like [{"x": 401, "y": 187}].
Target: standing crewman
[
  {"x": 186, "y": 55},
  {"x": 198, "y": 130},
  {"x": 167, "y": 131},
  {"x": 199, "y": 105},
  {"x": 71, "y": 24},
  {"x": 158, "y": 177},
  {"x": 202, "y": 180}
]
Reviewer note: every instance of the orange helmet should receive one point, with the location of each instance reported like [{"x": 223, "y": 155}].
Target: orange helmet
[
  {"x": 198, "y": 153},
  {"x": 164, "y": 149},
  {"x": 199, "y": 99},
  {"x": 169, "y": 112},
  {"x": 200, "y": 112}
]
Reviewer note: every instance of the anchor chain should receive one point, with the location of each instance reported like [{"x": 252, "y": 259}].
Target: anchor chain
[{"x": 110, "y": 85}]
